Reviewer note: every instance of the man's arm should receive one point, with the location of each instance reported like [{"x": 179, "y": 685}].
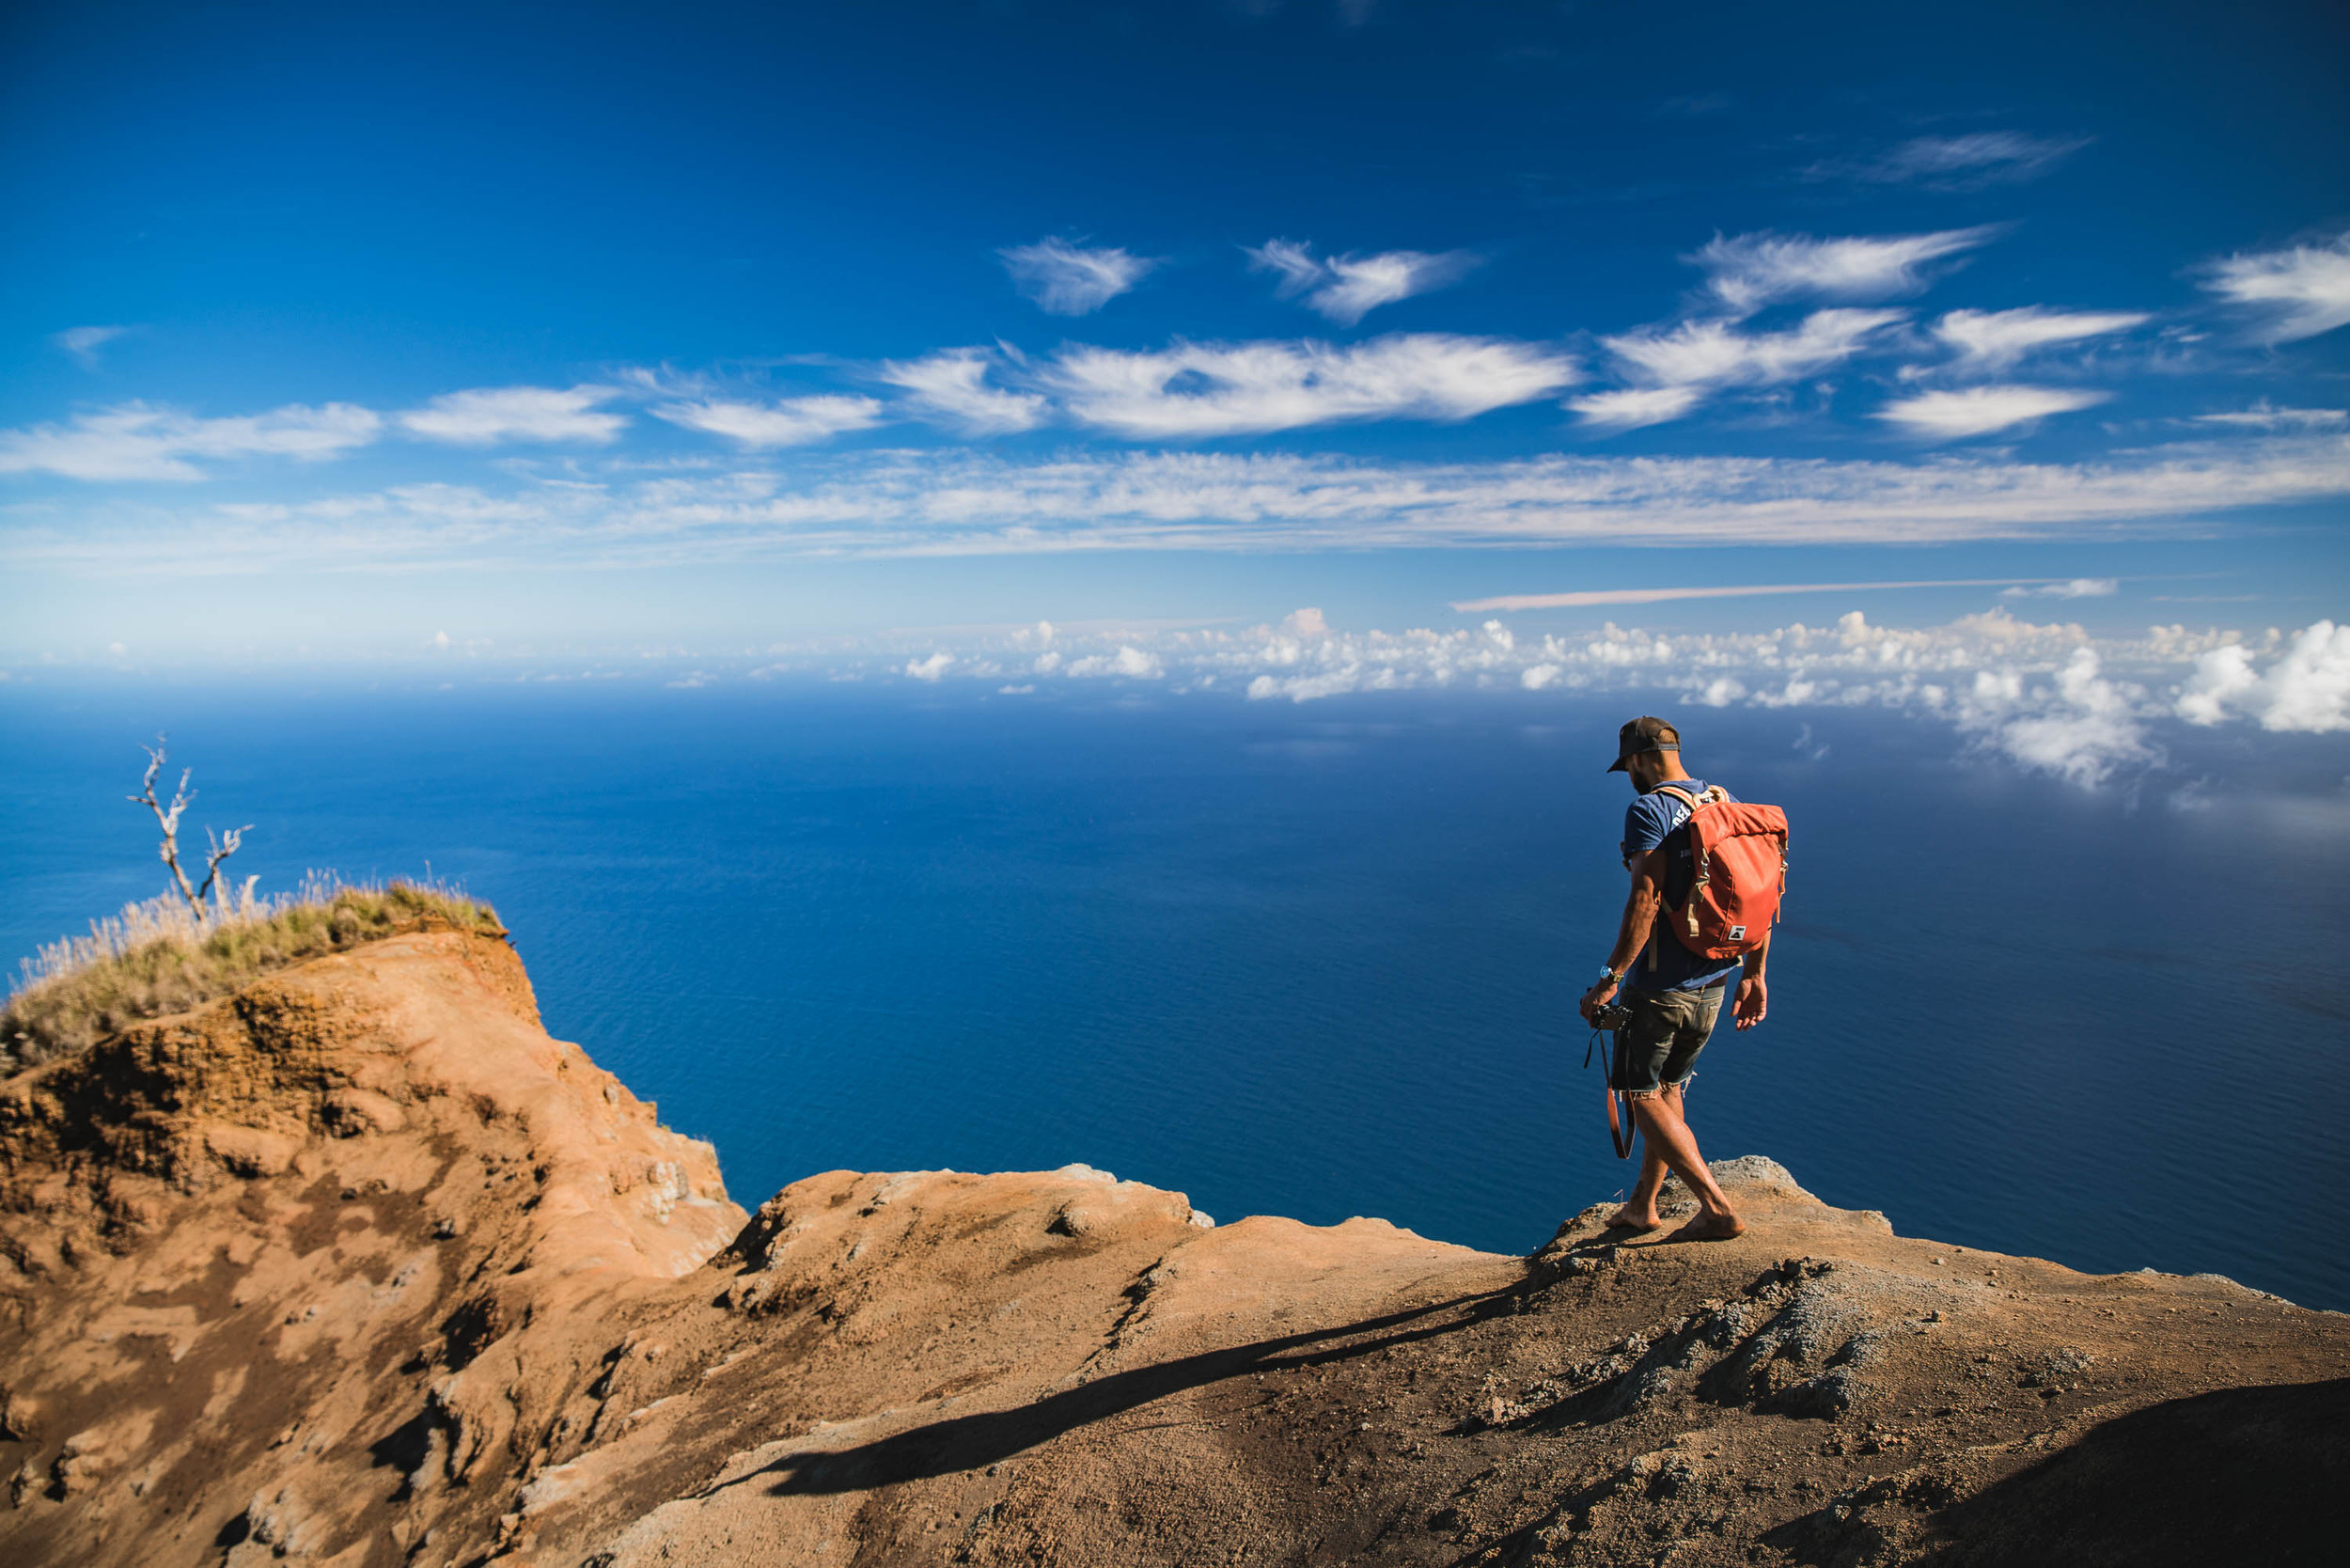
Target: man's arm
[
  {"x": 1753, "y": 1000},
  {"x": 1639, "y": 917}
]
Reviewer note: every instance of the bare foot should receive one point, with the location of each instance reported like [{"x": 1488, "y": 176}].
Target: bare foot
[
  {"x": 1626, "y": 1218},
  {"x": 1710, "y": 1228}
]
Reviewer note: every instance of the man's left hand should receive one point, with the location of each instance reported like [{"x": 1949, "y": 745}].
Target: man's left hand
[{"x": 1751, "y": 1003}]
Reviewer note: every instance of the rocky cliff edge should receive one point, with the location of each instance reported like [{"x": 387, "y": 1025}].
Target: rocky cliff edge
[{"x": 359, "y": 1266}]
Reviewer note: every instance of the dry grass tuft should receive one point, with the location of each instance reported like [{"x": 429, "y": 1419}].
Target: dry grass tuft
[{"x": 157, "y": 957}]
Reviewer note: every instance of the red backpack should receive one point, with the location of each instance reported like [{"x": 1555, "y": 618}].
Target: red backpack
[{"x": 1738, "y": 865}]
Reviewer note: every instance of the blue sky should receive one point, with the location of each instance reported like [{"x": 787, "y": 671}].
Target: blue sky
[{"x": 360, "y": 332}]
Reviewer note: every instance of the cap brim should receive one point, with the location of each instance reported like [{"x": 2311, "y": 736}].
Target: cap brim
[{"x": 1617, "y": 766}]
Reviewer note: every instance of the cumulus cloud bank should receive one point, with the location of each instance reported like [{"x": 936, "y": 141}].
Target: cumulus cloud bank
[
  {"x": 1127, "y": 661},
  {"x": 2048, "y": 698},
  {"x": 1585, "y": 598},
  {"x": 2306, "y": 689}
]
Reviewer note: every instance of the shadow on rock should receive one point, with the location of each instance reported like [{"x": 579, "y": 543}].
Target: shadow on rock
[
  {"x": 2241, "y": 1475},
  {"x": 971, "y": 1442}
]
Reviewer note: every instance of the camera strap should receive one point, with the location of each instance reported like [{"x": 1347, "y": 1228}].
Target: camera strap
[{"x": 1622, "y": 1129}]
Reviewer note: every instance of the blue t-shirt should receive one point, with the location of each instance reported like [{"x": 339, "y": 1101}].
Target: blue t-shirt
[{"x": 1659, "y": 819}]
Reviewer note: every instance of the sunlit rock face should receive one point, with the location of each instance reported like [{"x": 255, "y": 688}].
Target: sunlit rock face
[{"x": 360, "y": 1266}]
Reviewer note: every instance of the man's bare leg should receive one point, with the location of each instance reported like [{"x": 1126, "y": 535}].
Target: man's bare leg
[
  {"x": 1664, "y": 1130},
  {"x": 1639, "y": 1210}
]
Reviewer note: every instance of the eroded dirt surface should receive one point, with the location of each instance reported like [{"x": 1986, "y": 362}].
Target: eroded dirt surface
[{"x": 360, "y": 1267}]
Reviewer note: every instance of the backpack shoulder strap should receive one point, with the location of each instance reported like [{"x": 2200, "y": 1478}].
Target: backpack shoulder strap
[
  {"x": 1692, "y": 802},
  {"x": 1713, "y": 794}
]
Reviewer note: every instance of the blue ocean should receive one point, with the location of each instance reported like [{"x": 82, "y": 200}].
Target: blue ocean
[{"x": 1318, "y": 959}]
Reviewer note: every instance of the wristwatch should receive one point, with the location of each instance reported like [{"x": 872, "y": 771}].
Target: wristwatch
[{"x": 1608, "y": 977}]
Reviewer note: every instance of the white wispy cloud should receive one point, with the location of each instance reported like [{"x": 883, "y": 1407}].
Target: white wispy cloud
[
  {"x": 142, "y": 441},
  {"x": 1717, "y": 353},
  {"x": 2261, "y": 416},
  {"x": 490, "y": 415},
  {"x": 1748, "y": 272},
  {"x": 951, "y": 387},
  {"x": 1990, "y": 342},
  {"x": 1967, "y": 161},
  {"x": 1347, "y": 287},
  {"x": 1688, "y": 362},
  {"x": 1195, "y": 390},
  {"x": 2070, "y": 587},
  {"x": 790, "y": 422},
  {"x": 1947, "y": 415},
  {"x": 1674, "y": 370},
  {"x": 2298, "y": 292},
  {"x": 1696, "y": 358},
  {"x": 1633, "y": 407},
  {"x": 1588, "y": 598},
  {"x": 879, "y": 503},
  {"x": 83, "y": 342},
  {"x": 1065, "y": 279}
]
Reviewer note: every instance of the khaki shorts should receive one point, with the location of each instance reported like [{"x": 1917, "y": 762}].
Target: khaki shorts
[{"x": 1658, "y": 1049}]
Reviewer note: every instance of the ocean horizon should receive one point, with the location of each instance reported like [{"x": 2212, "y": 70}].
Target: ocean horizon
[{"x": 1317, "y": 960}]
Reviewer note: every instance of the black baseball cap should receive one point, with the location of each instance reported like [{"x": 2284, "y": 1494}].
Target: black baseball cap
[{"x": 1643, "y": 734}]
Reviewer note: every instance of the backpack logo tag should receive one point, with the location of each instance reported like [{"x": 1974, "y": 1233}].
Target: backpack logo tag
[{"x": 1737, "y": 934}]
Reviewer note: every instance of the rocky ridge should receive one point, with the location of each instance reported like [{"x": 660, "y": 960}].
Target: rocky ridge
[{"x": 358, "y": 1267}]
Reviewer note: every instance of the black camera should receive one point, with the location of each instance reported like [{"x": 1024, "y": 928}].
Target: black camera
[{"x": 1612, "y": 1015}]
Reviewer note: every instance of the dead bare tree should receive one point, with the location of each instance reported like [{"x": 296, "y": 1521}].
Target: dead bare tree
[{"x": 219, "y": 848}]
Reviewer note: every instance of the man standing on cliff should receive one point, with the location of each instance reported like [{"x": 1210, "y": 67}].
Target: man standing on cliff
[{"x": 1674, "y": 995}]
